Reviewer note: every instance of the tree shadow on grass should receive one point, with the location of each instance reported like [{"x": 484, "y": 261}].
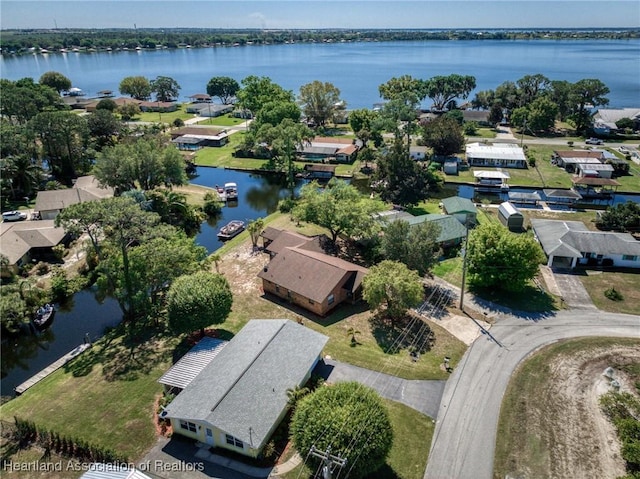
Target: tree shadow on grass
[
  {"x": 385, "y": 472},
  {"x": 408, "y": 332},
  {"x": 126, "y": 352}
]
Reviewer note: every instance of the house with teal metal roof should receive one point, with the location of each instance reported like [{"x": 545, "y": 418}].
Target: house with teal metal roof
[{"x": 462, "y": 209}]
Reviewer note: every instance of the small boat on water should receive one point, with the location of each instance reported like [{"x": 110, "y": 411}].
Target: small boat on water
[
  {"x": 231, "y": 229},
  {"x": 231, "y": 191},
  {"x": 44, "y": 316}
]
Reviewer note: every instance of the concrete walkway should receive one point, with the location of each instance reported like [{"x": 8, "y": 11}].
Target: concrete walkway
[
  {"x": 573, "y": 291},
  {"x": 422, "y": 395}
]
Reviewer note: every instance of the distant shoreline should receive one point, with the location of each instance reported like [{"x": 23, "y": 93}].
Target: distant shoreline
[{"x": 18, "y": 42}]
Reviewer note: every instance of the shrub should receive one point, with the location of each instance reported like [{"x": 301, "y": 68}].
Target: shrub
[
  {"x": 42, "y": 268},
  {"x": 286, "y": 205},
  {"x": 613, "y": 294},
  {"x": 178, "y": 122},
  {"x": 212, "y": 205},
  {"x": 59, "y": 285}
]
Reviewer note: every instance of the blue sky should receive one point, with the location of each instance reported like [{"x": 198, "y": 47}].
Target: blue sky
[{"x": 320, "y": 14}]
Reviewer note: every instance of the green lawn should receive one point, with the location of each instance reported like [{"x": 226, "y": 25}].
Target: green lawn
[
  {"x": 105, "y": 396},
  {"x": 412, "y": 434},
  {"x": 165, "y": 117},
  {"x": 625, "y": 282}
]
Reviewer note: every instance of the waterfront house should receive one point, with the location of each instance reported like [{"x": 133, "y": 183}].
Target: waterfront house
[
  {"x": 569, "y": 159},
  {"x": 200, "y": 98},
  {"x": 276, "y": 240},
  {"x": 86, "y": 188},
  {"x": 594, "y": 170},
  {"x": 481, "y": 117},
  {"x": 570, "y": 243},
  {"x": 507, "y": 155},
  {"x": 209, "y": 110},
  {"x": 301, "y": 273},
  {"x": 120, "y": 101},
  {"x": 461, "y": 209},
  {"x": 22, "y": 242},
  {"x": 158, "y": 106},
  {"x": 193, "y": 138},
  {"x": 328, "y": 149},
  {"x": 240, "y": 397},
  {"x": 450, "y": 231},
  {"x": 604, "y": 120}
]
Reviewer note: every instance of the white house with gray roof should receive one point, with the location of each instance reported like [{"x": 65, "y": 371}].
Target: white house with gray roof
[
  {"x": 240, "y": 397},
  {"x": 569, "y": 243}
]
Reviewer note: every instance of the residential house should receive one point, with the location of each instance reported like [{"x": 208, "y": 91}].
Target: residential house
[
  {"x": 569, "y": 159},
  {"x": 240, "y": 397},
  {"x": 506, "y": 155},
  {"x": 451, "y": 231},
  {"x": 570, "y": 243},
  {"x": 604, "y": 121},
  {"x": 463, "y": 209},
  {"x": 275, "y": 241},
  {"x": 326, "y": 149},
  {"x": 120, "y": 101},
  {"x": 481, "y": 117},
  {"x": 301, "y": 273},
  {"x": 158, "y": 106},
  {"x": 209, "y": 110},
  {"x": 86, "y": 188},
  {"x": 594, "y": 170},
  {"x": 21, "y": 242},
  {"x": 99, "y": 470},
  {"x": 193, "y": 138}
]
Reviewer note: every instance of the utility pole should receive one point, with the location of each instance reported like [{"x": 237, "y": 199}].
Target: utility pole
[
  {"x": 329, "y": 461},
  {"x": 464, "y": 265}
]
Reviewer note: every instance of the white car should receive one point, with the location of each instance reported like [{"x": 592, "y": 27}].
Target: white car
[
  {"x": 13, "y": 216},
  {"x": 594, "y": 141},
  {"x": 624, "y": 150}
]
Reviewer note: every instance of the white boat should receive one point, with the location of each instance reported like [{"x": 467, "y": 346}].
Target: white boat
[
  {"x": 231, "y": 191},
  {"x": 231, "y": 229}
]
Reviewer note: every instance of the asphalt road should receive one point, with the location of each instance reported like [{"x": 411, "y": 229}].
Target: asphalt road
[{"x": 464, "y": 441}]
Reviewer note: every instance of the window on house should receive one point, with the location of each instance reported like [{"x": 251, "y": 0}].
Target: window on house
[
  {"x": 629, "y": 257},
  {"x": 188, "y": 426},
  {"x": 232, "y": 441},
  {"x": 331, "y": 299}
]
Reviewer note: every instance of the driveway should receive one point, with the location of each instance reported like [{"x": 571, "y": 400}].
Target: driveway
[
  {"x": 572, "y": 290},
  {"x": 464, "y": 440},
  {"x": 422, "y": 395}
]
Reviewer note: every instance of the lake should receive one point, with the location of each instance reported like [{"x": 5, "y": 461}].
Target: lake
[{"x": 357, "y": 69}]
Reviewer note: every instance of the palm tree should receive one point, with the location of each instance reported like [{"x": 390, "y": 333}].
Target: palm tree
[
  {"x": 25, "y": 174},
  {"x": 255, "y": 228},
  {"x": 217, "y": 259},
  {"x": 352, "y": 332}
]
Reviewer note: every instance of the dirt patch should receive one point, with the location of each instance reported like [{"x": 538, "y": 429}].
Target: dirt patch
[{"x": 564, "y": 432}]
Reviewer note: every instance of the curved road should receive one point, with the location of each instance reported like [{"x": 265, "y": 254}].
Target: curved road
[{"x": 464, "y": 440}]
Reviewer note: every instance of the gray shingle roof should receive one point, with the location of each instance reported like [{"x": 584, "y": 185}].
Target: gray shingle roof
[
  {"x": 192, "y": 363},
  {"x": 16, "y": 239},
  {"x": 572, "y": 238},
  {"x": 243, "y": 390}
]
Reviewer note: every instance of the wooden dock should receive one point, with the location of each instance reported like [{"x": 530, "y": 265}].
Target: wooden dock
[{"x": 51, "y": 368}]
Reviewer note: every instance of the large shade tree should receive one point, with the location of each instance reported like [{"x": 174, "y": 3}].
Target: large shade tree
[
  {"x": 64, "y": 138},
  {"x": 165, "y": 88},
  {"x": 499, "y": 259},
  {"x": 319, "y": 101},
  {"x": 444, "y": 89},
  {"x": 55, "y": 80},
  {"x": 415, "y": 246},
  {"x": 401, "y": 180},
  {"x": 258, "y": 91},
  {"x": 23, "y": 99},
  {"x": 392, "y": 285},
  {"x": 137, "y": 87},
  {"x": 147, "y": 163},
  {"x": 585, "y": 95},
  {"x": 444, "y": 135},
  {"x": 351, "y": 419},
  {"x": 339, "y": 207},
  {"x": 198, "y": 300},
  {"x": 223, "y": 88}
]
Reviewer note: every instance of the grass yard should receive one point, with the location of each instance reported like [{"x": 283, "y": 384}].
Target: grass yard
[
  {"x": 549, "y": 424},
  {"x": 105, "y": 396},
  {"x": 412, "y": 434},
  {"x": 156, "y": 117},
  {"x": 224, "y": 120},
  {"x": 626, "y": 282}
]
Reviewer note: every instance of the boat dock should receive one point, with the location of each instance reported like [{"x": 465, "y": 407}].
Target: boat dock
[{"x": 51, "y": 368}]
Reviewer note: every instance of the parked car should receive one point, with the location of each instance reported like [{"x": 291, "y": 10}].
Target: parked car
[
  {"x": 624, "y": 150},
  {"x": 594, "y": 141},
  {"x": 13, "y": 216}
]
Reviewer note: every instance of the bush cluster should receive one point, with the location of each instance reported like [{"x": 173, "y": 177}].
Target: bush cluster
[{"x": 623, "y": 409}]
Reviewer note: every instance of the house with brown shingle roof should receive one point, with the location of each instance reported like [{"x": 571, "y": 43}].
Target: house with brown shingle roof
[
  {"x": 342, "y": 150},
  {"x": 21, "y": 242},
  {"x": 86, "y": 188},
  {"x": 301, "y": 273}
]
